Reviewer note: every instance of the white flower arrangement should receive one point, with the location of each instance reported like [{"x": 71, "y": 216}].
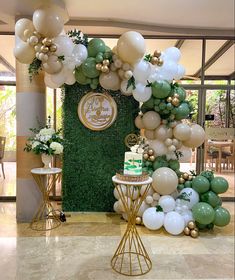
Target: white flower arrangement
[{"x": 46, "y": 141}]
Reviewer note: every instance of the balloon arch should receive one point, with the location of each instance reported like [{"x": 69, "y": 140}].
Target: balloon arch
[{"x": 176, "y": 199}]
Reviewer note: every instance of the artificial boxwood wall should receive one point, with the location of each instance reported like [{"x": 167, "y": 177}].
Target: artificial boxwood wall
[{"x": 91, "y": 158}]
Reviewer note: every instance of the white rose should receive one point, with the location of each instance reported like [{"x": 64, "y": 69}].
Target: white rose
[
  {"x": 47, "y": 131},
  {"x": 57, "y": 147},
  {"x": 35, "y": 144}
]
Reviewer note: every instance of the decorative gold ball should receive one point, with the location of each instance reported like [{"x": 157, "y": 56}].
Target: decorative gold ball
[
  {"x": 157, "y": 53},
  {"x": 47, "y": 42},
  {"x": 154, "y": 60},
  {"x": 106, "y": 62},
  {"x": 150, "y": 152},
  {"x": 146, "y": 156},
  {"x": 176, "y": 95},
  {"x": 160, "y": 62},
  {"x": 104, "y": 69},
  {"x": 181, "y": 180},
  {"x": 185, "y": 176},
  {"x": 191, "y": 225},
  {"x": 37, "y": 34},
  {"x": 169, "y": 99},
  {"x": 194, "y": 233},
  {"x": 152, "y": 158},
  {"x": 175, "y": 101},
  {"x": 98, "y": 66},
  {"x": 138, "y": 220},
  {"x": 190, "y": 177},
  {"x": 186, "y": 231},
  {"x": 44, "y": 49},
  {"x": 53, "y": 48}
]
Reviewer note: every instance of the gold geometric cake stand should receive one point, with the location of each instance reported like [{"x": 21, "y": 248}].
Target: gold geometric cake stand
[
  {"x": 131, "y": 258},
  {"x": 45, "y": 217}
]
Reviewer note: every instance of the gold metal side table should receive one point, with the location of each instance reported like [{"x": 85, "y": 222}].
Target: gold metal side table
[
  {"x": 45, "y": 217},
  {"x": 131, "y": 258}
]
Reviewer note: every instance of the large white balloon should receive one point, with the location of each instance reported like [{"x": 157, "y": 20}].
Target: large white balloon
[
  {"x": 180, "y": 72},
  {"x": 163, "y": 132},
  {"x": 24, "y": 28},
  {"x": 151, "y": 120},
  {"x": 186, "y": 154},
  {"x": 172, "y": 53},
  {"x": 53, "y": 65},
  {"x": 110, "y": 81},
  {"x": 152, "y": 219},
  {"x": 192, "y": 197},
  {"x": 182, "y": 131},
  {"x": 80, "y": 53},
  {"x": 196, "y": 138},
  {"x": 142, "y": 71},
  {"x": 168, "y": 70},
  {"x": 48, "y": 81},
  {"x": 165, "y": 180},
  {"x": 141, "y": 93},
  {"x": 116, "y": 207},
  {"x": 119, "y": 190},
  {"x": 24, "y": 53},
  {"x": 174, "y": 223},
  {"x": 64, "y": 45},
  {"x": 159, "y": 147},
  {"x": 167, "y": 203},
  {"x": 48, "y": 22}
]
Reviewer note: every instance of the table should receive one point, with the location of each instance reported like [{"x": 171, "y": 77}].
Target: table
[
  {"x": 45, "y": 217},
  {"x": 131, "y": 258},
  {"x": 219, "y": 145}
]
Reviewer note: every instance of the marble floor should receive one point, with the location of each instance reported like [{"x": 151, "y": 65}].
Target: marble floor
[{"x": 81, "y": 249}]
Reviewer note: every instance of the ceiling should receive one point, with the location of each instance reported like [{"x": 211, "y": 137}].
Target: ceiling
[{"x": 153, "y": 18}]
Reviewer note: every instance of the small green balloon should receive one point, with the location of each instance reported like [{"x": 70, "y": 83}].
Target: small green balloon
[
  {"x": 161, "y": 89},
  {"x": 169, "y": 106},
  {"x": 222, "y": 217},
  {"x": 219, "y": 185},
  {"x": 162, "y": 105},
  {"x": 159, "y": 162},
  {"x": 95, "y": 46},
  {"x": 203, "y": 213},
  {"x": 200, "y": 184},
  {"x": 156, "y": 108},
  {"x": 150, "y": 103},
  {"x": 99, "y": 58},
  {"x": 89, "y": 68},
  {"x": 208, "y": 174},
  {"x": 210, "y": 226},
  {"x": 165, "y": 111},
  {"x": 157, "y": 101},
  {"x": 180, "y": 187},
  {"x": 174, "y": 164},
  {"x": 201, "y": 226},
  {"x": 188, "y": 184},
  {"x": 80, "y": 77},
  {"x": 181, "y": 92},
  {"x": 93, "y": 86},
  {"x": 210, "y": 197},
  {"x": 182, "y": 111}
]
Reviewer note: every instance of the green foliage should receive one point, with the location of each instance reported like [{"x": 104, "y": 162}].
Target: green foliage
[
  {"x": 34, "y": 68},
  {"x": 91, "y": 158},
  {"x": 131, "y": 82},
  {"x": 78, "y": 38}
]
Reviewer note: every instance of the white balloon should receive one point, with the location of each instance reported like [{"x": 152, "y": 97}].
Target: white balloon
[
  {"x": 182, "y": 131},
  {"x": 64, "y": 45},
  {"x": 187, "y": 216},
  {"x": 59, "y": 78},
  {"x": 167, "y": 203},
  {"x": 190, "y": 195},
  {"x": 165, "y": 180},
  {"x": 151, "y": 120},
  {"x": 80, "y": 52},
  {"x": 159, "y": 147},
  {"x": 163, "y": 132},
  {"x": 173, "y": 53},
  {"x": 142, "y": 208},
  {"x": 156, "y": 196},
  {"x": 141, "y": 93},
  {"x": 149, "y": 199},
  {"x": 132, "y": 192},
  {"x": 149, "y": 134},
  {"x": 174, "y": 223},
  {"x": 22, "y": 25},
  {"x": 143, "y": 189},
  {"x": 119, "y": 189},
  {"x": 24, "y": 53},
  {"x": 70, "y": 78},
  {"x": 126, "y": 91},
  {"x": 128, "y": 204},
  {"x": 186, "y": 154},
  {"x": 116, "y": 207},
  {"x": 168, "y": 70},
  {"x": 180, "y": 72},
  {"x": 141, "y": 71},
  {"x": 49, "y": 83},
  {"x": 196, "y": 138},
  {"x": 152, "y": 219}
]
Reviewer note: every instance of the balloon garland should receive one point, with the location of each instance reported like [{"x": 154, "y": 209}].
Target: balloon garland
[{"x": 178, "y": 201}]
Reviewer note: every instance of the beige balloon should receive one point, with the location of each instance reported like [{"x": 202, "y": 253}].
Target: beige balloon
[
  {"x": 151, "y": 120},
  {"x": 110, "y": 81},
  {"x": 196, "y": 138},
  {"x": 24, "y": 53},
  {"x": 48, "y": 22},
  {"x": 131, "y": 47},
  {"x": 21, "y": 25},
  {"x": 138, "y": 122},
  {"x": 182, "y": 131},
  {"x": 162, "y": 132},
  {"x": 165, "y": 180},
  {"x": 53, "y": 65},
  {"x": 149, "y": 134}
]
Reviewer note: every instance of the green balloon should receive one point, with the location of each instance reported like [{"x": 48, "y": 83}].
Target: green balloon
[
  {"x": 174, "y": 164},
  {"x": 89, "y": 68},
  {"x": 181, "y": 92},
  {"x": 200, "y": 184},
  {"x": 210, "y": 226},
  {"x": 188, "y": 184},
  {"x": 99, "y": 58},
  {"x": 160, "y": 162},
  {"x": 161, "y": 89},
  {"x": 219, "y": 185},
  {"x": 211, "y": 198},
  {"x": 95, "y": 46},
  {"x": 157, "y": 101},
  {"x": 156, "y": 108},
  {"x": 180, "y": 187},
  {"x": 162, "y": 105},
  {"x": 203, "y": 213},
  {"x": 149, "y": 104},
  {"x": 182, "y": 111},
  {"x": 200, "y": 226},
  {"x": 222, "y": 217},
  {"x": 208, "y": 174},
  {"x": 80, "y": 77}
]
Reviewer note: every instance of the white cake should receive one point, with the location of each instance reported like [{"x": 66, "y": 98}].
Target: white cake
[{"x": 133, "y": 163}]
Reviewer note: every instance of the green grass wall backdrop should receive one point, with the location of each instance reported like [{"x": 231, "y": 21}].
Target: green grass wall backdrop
[{"x": 91, "y": 158}]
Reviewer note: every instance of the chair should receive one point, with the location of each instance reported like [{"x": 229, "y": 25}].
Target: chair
[{"x": 2, "y": 149}]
